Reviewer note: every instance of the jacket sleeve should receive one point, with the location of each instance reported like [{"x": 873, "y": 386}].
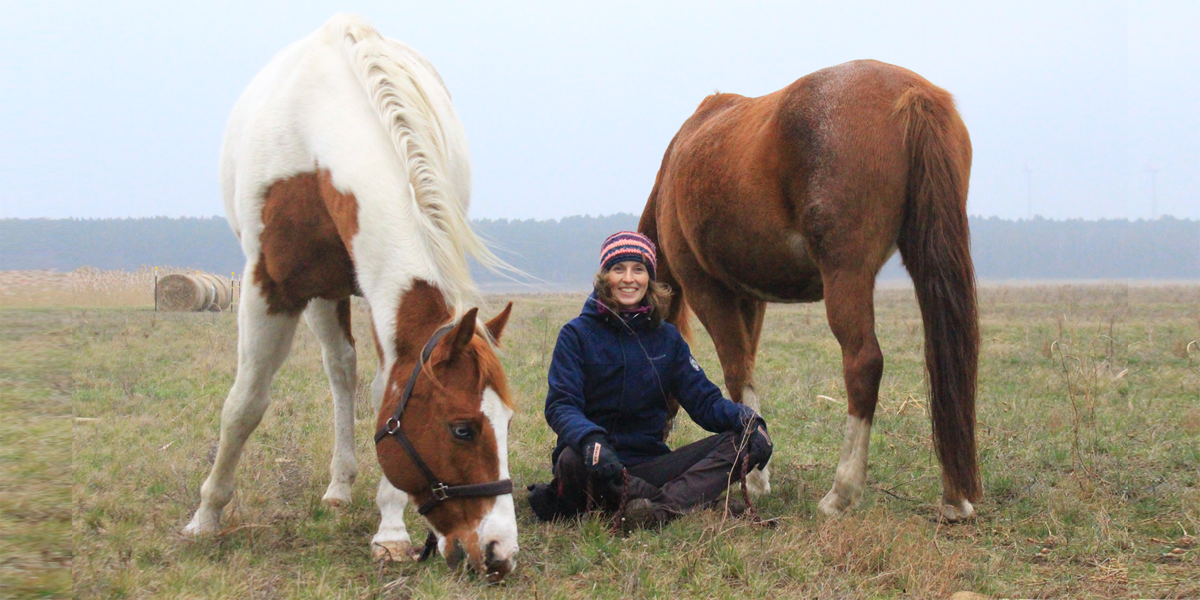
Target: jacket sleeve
[
  {"x": 702, "y": 398},
  {"x": 564, "y": 398}
]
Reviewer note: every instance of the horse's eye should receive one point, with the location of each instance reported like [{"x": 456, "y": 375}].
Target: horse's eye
[{"x": 462, "y": 431}]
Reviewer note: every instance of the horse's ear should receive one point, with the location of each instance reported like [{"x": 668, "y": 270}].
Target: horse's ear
[
  {"x": 460, "y": 338},
  {"x": 496, "y": 325}
]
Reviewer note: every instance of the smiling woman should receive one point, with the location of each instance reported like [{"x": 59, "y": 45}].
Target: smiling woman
[
  {"x": 615, "y": 368},
  {"x": 627, "y": 282},
  {"x": 626, "y": 276}
]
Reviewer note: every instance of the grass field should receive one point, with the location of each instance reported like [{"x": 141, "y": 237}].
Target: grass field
[{"x": 1089, "y": 421}]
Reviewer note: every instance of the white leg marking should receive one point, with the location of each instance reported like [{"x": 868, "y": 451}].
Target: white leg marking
[
  {"x": 498, "y": 528},
  {"x": 758, "y": 481},
  {"x": 952, "y": 511},
  {"x": 851, "y": 475},
  {"x": 391, "y": 541},
  {"x": 264, "y": 341},
  {"x": 338, "y": 356}
]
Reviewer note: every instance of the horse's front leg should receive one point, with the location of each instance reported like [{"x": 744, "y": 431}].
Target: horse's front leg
[
  {"x": 264, "y": 340},
  {"x": 391, "y": 541},
  {"x": 330, "y": 321},
  {"x": 851, "y": 312}
]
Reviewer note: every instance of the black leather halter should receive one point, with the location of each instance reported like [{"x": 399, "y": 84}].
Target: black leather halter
[{"x": 441, "y": 491}]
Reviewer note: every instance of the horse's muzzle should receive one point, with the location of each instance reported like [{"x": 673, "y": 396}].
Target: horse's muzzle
[{"x": 495, "y": 568}]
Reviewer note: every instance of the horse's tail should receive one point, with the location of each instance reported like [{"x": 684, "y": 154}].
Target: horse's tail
[
  {"x": 679, "y": 316},
  {"x": 936, "y": 246},
  {"x": 399, "y": 84}
]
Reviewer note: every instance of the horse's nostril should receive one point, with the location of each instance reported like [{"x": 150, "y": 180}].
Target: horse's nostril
[{"x": 496, "y": 567}]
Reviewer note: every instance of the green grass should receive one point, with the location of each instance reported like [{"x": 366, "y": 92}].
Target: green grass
[
  {"x": 35, "y": 454},
  {"x": 1088, "y": 426}
]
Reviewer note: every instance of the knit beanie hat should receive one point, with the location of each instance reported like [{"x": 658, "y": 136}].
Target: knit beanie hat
[{"x": 627, "y": 245}]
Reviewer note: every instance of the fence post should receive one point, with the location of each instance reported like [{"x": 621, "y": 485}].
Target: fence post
[{"x": 155, "y": 289}]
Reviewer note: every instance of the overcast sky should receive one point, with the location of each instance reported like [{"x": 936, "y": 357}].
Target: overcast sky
[{"x": 116, "y": 109}]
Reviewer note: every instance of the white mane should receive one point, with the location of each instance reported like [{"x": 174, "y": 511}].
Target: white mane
[{"x": 395, "y": 79}]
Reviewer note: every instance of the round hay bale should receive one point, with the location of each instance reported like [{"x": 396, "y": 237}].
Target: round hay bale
[
  {"x": 179, "y": 292},
  {"x": 219, "y": 292}
]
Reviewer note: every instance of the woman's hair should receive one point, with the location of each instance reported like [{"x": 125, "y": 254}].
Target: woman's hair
[{"x": 658, "y": 296}]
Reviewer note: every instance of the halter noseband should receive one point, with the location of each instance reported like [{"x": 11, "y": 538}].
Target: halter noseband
[{"x": 441, "y": 492}]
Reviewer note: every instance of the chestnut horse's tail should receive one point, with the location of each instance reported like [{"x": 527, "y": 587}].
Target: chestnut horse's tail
[{"x": 936, "y": 246}]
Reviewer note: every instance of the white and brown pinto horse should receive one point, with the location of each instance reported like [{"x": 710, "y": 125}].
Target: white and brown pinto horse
[
  {"x": 345, "y": 171},
  {"x": 803, "y": 194}
]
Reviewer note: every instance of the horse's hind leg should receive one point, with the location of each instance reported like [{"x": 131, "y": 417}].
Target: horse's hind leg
[
  {"x": 330, "y": 321},
  {"x": 264, "y": 340},
  {"x": 849, "y": 305},
  {"x": 734, "y": 322}
]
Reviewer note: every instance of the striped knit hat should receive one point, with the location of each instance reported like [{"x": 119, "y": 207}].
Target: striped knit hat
[{"x": 627, "y": 245}]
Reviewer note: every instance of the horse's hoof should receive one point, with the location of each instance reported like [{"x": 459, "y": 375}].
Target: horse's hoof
[
  {"x": 337, "y": 494},
  {"x": 829, "y": 505},
  {"x": 393, "y": 551},
  {"x": 960, "y": 512},
  {"x": 199, "y": 527},
  {"x": 834, "y": 505},
  {"x": 334, "y": 502}
]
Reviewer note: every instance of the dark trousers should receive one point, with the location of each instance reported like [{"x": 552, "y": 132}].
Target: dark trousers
[{"x": 691, "y": 477}]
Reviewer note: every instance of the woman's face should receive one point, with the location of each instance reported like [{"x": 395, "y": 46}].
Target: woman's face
[{"x": 628, "y": 282}]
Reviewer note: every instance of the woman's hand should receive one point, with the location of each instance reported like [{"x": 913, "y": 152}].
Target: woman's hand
[
  {"x": 600, "y": 460},
  {"x": 759, "y": 446}
]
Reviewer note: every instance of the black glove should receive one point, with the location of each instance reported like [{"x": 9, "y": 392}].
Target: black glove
[
  {"x": 600, "y": 460},
  {"x": 758, "y": 446}
]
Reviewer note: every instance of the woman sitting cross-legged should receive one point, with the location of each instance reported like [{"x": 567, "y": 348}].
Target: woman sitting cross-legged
[{"x": 614, "y": 367}]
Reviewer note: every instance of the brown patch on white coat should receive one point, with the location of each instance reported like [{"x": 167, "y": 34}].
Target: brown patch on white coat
[{"x": 305, "y": 243}]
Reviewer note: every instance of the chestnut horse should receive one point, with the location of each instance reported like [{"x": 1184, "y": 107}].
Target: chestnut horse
[
  {"x": 344, "y": 172},
  {"x": 804, "y": 194}
]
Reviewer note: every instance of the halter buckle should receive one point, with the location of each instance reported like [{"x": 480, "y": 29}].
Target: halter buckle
[
  {"x": 392, "y": 425},
  {"x": 440, "y": 491}
]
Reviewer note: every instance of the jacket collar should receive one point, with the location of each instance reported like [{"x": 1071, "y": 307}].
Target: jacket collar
[{"x": 637, "y": 320}]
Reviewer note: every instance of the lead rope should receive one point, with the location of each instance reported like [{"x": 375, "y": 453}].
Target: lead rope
[
  {"x": 618, "y": 524},
  {"x": 430, "y": 546},
  {"x": 750, "y": 509},
  {"x": 755, "y": 518},
  {"x": 619, "y": 518}
]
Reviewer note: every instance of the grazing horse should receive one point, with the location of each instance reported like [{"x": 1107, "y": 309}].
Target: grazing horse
[
  {"x": 344, "y": 171},
  {"x": 804, "y": 194}
]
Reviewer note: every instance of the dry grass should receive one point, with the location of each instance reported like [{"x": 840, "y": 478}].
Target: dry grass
[
  {"x": 35, "y": 454},
  {"x": 1088, "y": 427},
  {"x": 84, "y": 287}
]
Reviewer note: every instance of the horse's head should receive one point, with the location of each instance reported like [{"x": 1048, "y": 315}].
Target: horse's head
[{"x": 457, "y": 419}]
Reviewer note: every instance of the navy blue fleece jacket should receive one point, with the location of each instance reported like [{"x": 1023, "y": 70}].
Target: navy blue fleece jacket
[{"x": 613, "y": 375}]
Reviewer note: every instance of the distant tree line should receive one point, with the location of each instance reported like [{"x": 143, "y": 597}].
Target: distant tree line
[
  {"x": 561, "y": 254},
  {"x": 206, "y": 244}
]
